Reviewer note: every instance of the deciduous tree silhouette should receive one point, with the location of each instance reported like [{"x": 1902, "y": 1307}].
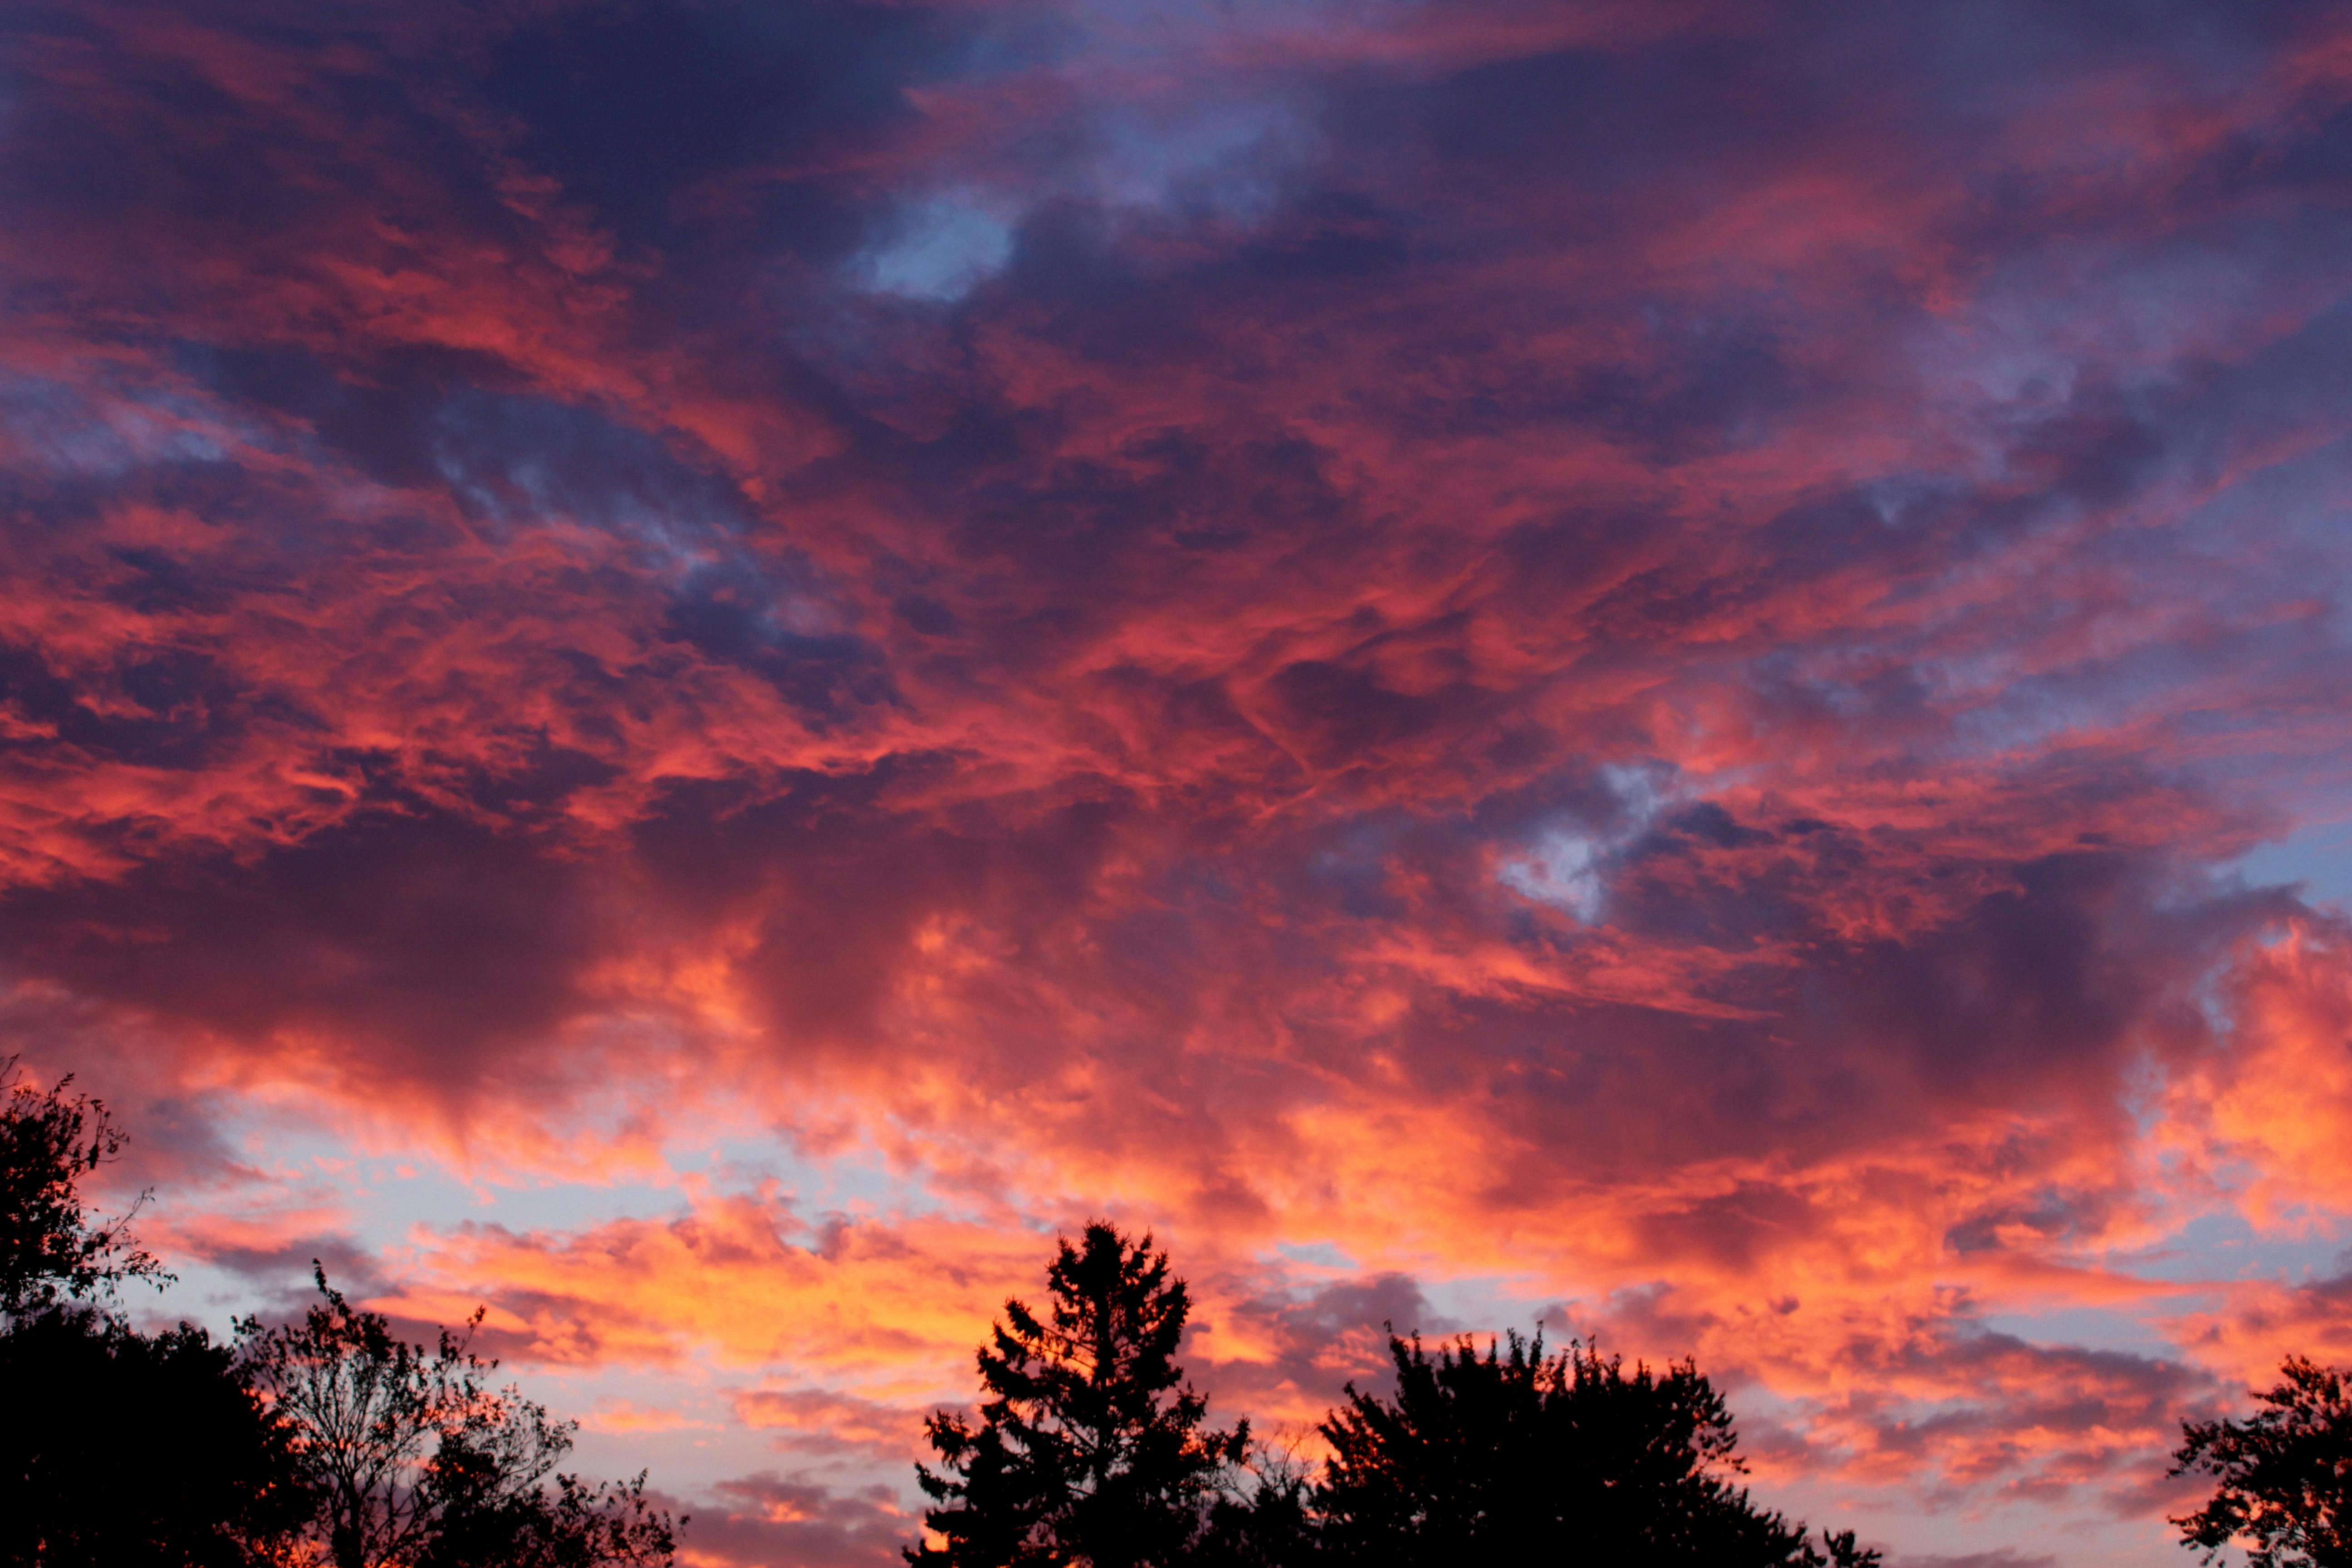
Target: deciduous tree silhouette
[
  {"x": 415, "y": 1461},
  {"x": 1515, "y": 1455},
  {"x": 122, "y": 1447},
  {"x": 119, "y": 1448},
  {"x": 2285, "y": 1476},
  {"x": 116, "y": 1446},
  {"x": 49, "y": 1245},
  {"x": 1090, "y": 1449},
  {"x": 1268, "y": 1522}
]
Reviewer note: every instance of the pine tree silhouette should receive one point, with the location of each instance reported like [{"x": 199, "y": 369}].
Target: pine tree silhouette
[{"x": 1090, "y": 1447}]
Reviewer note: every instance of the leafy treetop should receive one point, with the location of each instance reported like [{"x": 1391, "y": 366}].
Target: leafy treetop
[
  {"x": 2284, "y": 1475},
  {"x": 1503, "y": 1456},
  {"x": 415, "y": 1461},
  {"x": 49, "y": 1245}
]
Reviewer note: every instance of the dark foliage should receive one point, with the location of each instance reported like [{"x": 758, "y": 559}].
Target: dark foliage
[
  {"x": 330, "y": 1436},
  {"x": 1506, "y": 1455},
  {"x": 1088, "y": 1452},
  {"x": 2285, "y": 1476},
  {"x": 1090, "y": 1448},
  {"x": 120, "y": 1447},
  {"x": 116, "y": 1446},
  {"x": 574, "y": 1525},
  {"x": 414, "y": 1459},
  {"x": 1271, "y": 1524},
  {"x": 49, "y": 1245}
]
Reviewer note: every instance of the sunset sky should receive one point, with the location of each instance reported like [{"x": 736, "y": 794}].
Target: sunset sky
[{"x": 1672, "y": 668}]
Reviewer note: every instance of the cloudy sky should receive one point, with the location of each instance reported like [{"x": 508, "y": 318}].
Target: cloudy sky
[{"x": 1672, "y": 667}]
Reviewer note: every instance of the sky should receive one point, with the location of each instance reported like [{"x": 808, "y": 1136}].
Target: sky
[{"x": 697, "y": 670}]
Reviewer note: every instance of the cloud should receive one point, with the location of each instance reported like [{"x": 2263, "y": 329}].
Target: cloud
[
  {"x": 2260, "y": 1322},
  {"x": 768, "y": 1517},
  {"x": 1613, "y": 658},
  {"x": 740, "y": 1274},
  {"x": 941, "y": 250},
  {"x": 2279, "y": 1102},
  {"x": 819, "y": 1420}
]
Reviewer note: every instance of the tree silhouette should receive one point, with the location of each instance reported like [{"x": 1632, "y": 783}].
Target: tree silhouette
[
  {"x": 1270, "y": 1522},
  {"x": 414, "y": 1459},
  {"x": 2285, "y": 1476},
  {"x": 117, "y": 1446},
  {"x": 330, "y": 1436},
  {"x": 1510, "y": 1454},
  {"x": 49, "y": 1247},
  {"x": 122, "y": 1447},
  {"x": 575, "y": 1526},
  {"x": 1090, "y": 1449}
]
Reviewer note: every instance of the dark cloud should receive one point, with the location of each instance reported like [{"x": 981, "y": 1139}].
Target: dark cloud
[
  {"x": 1322, "y": 1339},
  {"x": 771, "y": 1519},
  {"x": 401, "y": 930},
  {"x": 661, "y": 115}
]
